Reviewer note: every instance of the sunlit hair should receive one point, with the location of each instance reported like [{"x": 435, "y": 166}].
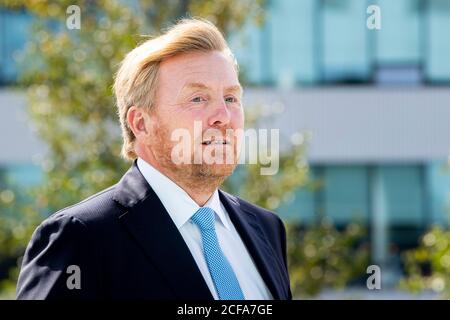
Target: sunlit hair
[{"x": 136, "y": 79}]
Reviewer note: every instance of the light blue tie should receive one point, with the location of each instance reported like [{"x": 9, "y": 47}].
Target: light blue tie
[{"x": 222, "y": 274}]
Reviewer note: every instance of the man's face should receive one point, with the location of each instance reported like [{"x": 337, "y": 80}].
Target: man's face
[{"x": 201, "y": 88}]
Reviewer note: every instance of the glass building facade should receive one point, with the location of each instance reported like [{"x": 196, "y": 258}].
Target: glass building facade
[
  {"x": 318, "y": 43},
  {"x": 312, "y": 42}
]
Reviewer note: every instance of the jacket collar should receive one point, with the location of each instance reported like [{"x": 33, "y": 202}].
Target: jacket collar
[{"x": 150, "y": 224}]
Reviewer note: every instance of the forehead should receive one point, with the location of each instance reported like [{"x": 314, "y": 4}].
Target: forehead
[{"x": 214, "y": 67}]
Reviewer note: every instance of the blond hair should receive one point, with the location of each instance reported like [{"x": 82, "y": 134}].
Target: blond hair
[{"x": 136, "y": 79}]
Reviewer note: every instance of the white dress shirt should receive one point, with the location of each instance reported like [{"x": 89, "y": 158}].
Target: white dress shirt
[{"x": 181, "y": 207}]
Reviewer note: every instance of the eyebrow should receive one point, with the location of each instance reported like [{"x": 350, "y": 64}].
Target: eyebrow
[
  {"x": 237, "y": 87},
  {"x": 199, "y": 85}
]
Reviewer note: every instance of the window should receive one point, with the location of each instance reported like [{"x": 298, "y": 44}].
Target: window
[
  {"x": 398, "y": 40},
  {"x": 345, "y": 43},
  {"x": 437, "y": 66},
  {"x": 403, "y": 189},
  {"x": 346, "y": 194},
  {"x": 14, "y": 27}
]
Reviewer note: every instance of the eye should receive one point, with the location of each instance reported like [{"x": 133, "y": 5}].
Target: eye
[
  {"x": 198, "y": 99},
  {"x": 231, "y": 99}
]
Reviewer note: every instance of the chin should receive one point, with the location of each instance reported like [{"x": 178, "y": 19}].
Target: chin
[{"x": 216, "y": 170}]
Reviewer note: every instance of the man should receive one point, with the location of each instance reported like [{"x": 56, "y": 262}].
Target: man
[{"x": 165, "y": 231}]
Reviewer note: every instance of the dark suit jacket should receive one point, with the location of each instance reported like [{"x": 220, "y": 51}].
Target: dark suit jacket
[{"x": 127, "y": 247}]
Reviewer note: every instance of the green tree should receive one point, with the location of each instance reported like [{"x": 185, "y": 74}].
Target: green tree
[
  {"x": 321, "y": 256},
  {"x": 68, "y": 77},
  {"x": 427, "y": 267},
  {"x": 69, "y": 74},
  {"x": 18, "y": 217}
]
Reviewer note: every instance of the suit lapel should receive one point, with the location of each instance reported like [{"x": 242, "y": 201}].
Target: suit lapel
[
  {"x": 151, "y": 226},
  {"x": 256, "y": 243}
]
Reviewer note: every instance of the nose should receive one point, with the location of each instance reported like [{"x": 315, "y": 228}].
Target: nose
[{"x": 220, "y": 116}]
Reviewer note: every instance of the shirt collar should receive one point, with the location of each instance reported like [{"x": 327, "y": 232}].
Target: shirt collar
[{"x": 180, "y": 206}]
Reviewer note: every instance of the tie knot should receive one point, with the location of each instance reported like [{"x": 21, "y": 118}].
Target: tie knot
[{"x": 204, "y": 218}]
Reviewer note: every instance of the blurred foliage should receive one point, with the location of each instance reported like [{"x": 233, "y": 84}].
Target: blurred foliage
[
  {"x": 18, "y": 218},
  {"x": 427, "y": 267},
  {"x": 68, "y": 75},
  {"x": 320, "y": 256}
]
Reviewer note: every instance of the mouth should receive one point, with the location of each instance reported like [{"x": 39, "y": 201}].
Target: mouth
[
  {"x": 219, "y": 142},
  {"x": 215, "y": 142}
]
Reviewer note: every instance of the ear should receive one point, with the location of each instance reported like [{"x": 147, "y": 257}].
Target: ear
[{"x": 139, "y": 121}]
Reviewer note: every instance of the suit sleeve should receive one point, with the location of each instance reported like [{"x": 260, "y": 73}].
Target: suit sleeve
[{"x": 59, "y": 262}]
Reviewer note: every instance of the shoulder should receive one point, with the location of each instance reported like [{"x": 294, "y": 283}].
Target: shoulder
[
  {"x": 69, "y": 237},
  {"x": 79, "y": 223},
  {"x": 88, "y": 220},
  {"x": 97, "y": 209}
]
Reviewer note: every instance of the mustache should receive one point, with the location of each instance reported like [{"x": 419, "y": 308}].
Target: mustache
[{"x": 214, "y": 134}]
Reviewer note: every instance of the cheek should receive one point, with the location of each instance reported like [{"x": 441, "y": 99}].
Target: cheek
[
  {"x": 190, "y": 122},
  {"x": 177, "y": 119}
]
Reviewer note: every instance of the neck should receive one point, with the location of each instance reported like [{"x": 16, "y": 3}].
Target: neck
[{"x": 199, "y": 188}]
